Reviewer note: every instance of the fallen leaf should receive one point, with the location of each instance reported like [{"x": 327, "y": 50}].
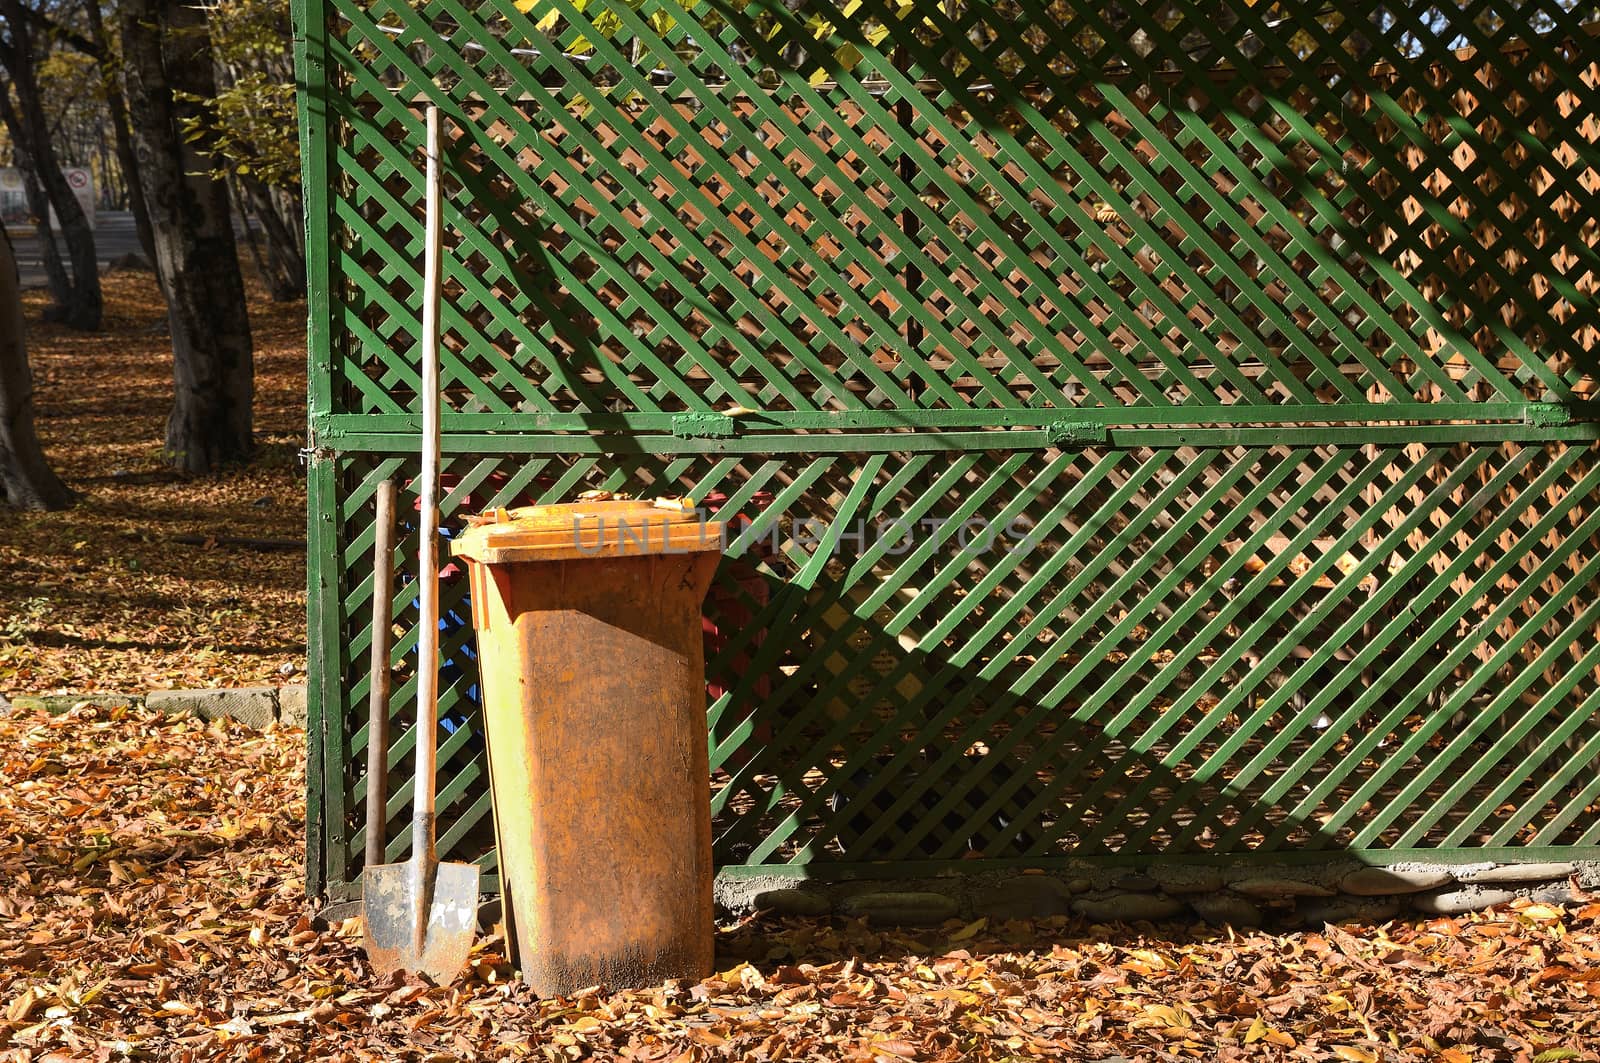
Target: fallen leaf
[
  {"x": 970, "y": 931},
  {"x": 1354, "y": 1055}
]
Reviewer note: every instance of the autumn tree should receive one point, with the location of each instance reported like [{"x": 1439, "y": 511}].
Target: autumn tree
[
  {"x": 26, "y": 479},
  {"x": 25, "y": 41},
  {"x": 168, "y": 74},
  {"x": 97, "y": 43},
  {"x": 251, "y": 123}
]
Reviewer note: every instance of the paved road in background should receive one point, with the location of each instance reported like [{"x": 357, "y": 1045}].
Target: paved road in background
[{"x": 114, "y": 236}]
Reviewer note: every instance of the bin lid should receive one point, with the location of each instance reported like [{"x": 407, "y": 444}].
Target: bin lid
[{"x": 612, "y": 528}]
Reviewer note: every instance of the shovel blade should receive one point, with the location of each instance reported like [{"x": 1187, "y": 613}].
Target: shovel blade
[{"x": 390, "y": 904}]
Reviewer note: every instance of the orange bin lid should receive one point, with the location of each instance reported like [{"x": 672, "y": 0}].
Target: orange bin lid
[{"x": 612, "y": 528}]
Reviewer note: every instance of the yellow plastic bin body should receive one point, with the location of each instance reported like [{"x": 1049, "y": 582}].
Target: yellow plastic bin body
[{"x": 593, "y": 676}]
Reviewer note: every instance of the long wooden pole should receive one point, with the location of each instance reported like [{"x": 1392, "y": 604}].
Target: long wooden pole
[
  {"x": 424, "y": 859},
  {"x": 379, "y": 684}
]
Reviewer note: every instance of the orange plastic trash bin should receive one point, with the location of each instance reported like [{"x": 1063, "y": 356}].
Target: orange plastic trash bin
[{"x": 593, "y": 675}]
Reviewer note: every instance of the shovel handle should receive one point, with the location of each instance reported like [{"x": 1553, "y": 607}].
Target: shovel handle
[
  {"x": 422, "y": 816},
  {"x": 378, "y": 680}
]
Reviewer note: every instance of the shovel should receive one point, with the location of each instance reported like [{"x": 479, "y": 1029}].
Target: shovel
[{"x": 420, "y": 915}]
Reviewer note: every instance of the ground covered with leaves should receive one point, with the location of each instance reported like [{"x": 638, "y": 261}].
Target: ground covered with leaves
[
  {"x": 140, "y": 586},
  {"x": 151, "y": 908}
]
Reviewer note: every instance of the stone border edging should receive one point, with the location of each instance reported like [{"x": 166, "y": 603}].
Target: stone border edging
[
  {"x": 255, "y": 707},
  {"x": 1239, "y": 895}
]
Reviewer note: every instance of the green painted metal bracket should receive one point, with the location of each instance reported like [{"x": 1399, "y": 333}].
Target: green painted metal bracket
[
  {"x": 1546, "y": 414},
  {"x": 702, "y": 425},
  {"x": 1074, "y": 433}
]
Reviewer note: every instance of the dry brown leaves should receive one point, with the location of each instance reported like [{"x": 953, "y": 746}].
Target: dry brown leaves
[
  {"x": 152, "y": 909},
  {"x": 100, "y": 598}
]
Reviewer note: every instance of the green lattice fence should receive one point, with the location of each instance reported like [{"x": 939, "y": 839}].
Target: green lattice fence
[{"x": 1164, "y": 429}]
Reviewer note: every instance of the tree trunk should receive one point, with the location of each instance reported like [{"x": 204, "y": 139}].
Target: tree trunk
[
  {"x": 26, "y": 479},
  {"x": 84, "y": 306},
  {"x": 292, "y": 208},
  {"x": 166, "y": 54},
  {"x": 127, "y": 160},
  {"x": 55, "y": 270},
  {"x": 287, "y": 277},
  {"x": 251, "y": 241}
]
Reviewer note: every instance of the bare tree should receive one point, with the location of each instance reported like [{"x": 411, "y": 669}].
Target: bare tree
[
  {"x": 167, "y": 73},
  {"x": 26, "y": 479}
]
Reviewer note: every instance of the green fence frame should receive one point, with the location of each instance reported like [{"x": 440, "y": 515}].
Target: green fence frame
[{"x": 1156, "y": 432}]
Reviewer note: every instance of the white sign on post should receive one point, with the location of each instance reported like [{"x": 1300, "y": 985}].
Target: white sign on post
[{"x": 14, "y": 199}]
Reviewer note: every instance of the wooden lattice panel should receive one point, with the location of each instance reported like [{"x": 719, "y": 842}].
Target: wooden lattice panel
[
  {"x": 1152, "y": 213},
  {"x": 1272, "y": 333},
  {"x": 1279, "y": 646}
]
